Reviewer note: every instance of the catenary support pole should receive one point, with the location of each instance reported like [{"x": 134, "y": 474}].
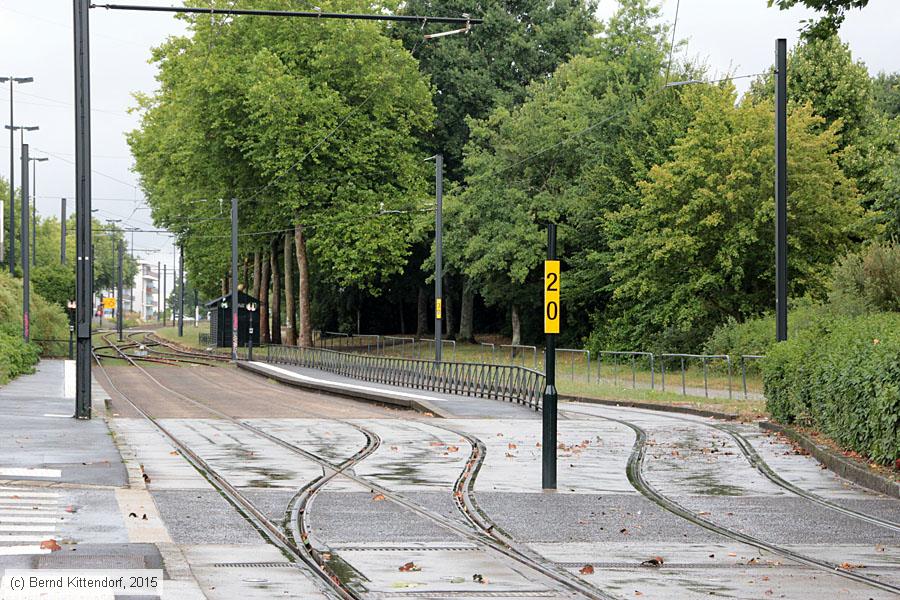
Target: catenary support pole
[
  {"x": 119, "y": 304},
  {"x": 158, "y": 292},
  {"x": 26, "y": 255},
  {"x": 62, "y": 231},
  {"x": 438, "y": 255},
  {"x": 548, "y": 414},
  {"x": 163, "y": 296},
  {"x": 11, "y": 255},
  {"x": 781, "y": 275},
  {"x": 84, "y": 255},
  {"x": 181, "y": 291},
  {"x": 234, "y": 272}
]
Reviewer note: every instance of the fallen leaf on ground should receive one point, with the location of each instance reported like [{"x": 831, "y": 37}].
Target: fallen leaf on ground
[
  {"x": 410, "y": 566},
  {"x": 174, "y": 452},
  {"x": 50, "y": 545},
  {"x": 71, "y": 509},
  {"x": 511, "y": 446},
  {"x": 586, "y": 570},
  {"x": 655, "y": 561},
  {"x": 146, "y": 478},
  {"x": 378, "y": 497},
  {"x": 452, "y": 448},
  {"x": 479, "y": 578},
  {"x": 732, "y": 554},
  {"x": 437, "y": 443},
  {"x": 850, "y": 566}
]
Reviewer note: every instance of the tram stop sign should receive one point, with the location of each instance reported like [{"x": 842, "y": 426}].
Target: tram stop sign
[
  {"x": 551, "y": 296},
  {"x": 109, "y": 303}
]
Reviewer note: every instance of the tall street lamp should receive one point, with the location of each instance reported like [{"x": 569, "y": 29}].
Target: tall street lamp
[
  {"x": 12, "y": 168},
  {"x": 34, "y": 162}
]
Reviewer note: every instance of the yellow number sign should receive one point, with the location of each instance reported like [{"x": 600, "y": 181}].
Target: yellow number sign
[
  {"x": 109, "y": 303},
  {"x": 437, "y": 308},
  {"x": 551, "y": 296}
]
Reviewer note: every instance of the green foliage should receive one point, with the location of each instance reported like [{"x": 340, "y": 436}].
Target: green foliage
[
  {"x": 697, "y": 249},
  {"x": 868, "y": 280},
  {"x": 491, "y": 66},
  {"x": 48, "y": 321},
  {"x": 835, "y": 12},
  {"x": 54, "y": 282},
  {"x": 886, "y": 94},
  {"x": 843, "y": 377}
]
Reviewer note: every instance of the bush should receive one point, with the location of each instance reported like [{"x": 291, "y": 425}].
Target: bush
[
  {"x": 16, "y": 357},
  {"x": 868, "y": 280},
  {"x": 55, "y": 283},
  {"x": 842, "y": 377},
  {"x": 48, "y": 321}
]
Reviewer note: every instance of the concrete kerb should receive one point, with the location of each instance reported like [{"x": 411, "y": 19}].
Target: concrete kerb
[
  {"x": 841, "y": 465},
  {"x": 337, "y": 389},
  {"x": 700, "y": 412}
]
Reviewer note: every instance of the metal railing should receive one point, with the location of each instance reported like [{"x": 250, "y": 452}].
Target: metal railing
[
  {"x": 514, "y": 347},
  {"x": 574, "y": 352},
  {"x": 484, "y": 345},
  {"x": 498, "y": 382},
  {"x": 422, "y": 344},
  {"x": 705, "y": 358},
  {"x": 402, "y": 342},
  {"x": 744, "y": 358},
  {"x": 633, "y": 357}
]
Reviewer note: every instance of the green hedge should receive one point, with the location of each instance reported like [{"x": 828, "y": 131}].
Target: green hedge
[{"x": 842, "y": 377}]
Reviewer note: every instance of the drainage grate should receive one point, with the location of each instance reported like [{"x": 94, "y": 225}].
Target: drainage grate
[
  {"x": 469, "y": 594},
  {"x": 254, "y": 565},
  {"x": 631, "y": 565}
]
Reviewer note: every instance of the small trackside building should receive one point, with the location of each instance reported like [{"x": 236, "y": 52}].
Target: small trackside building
[{"x": 220, "y": 320}]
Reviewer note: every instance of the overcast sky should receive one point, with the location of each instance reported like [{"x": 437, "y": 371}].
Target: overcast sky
[{"x": 731, "y": 36}]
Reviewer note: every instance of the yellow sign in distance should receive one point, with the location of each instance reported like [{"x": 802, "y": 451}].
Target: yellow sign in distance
[
  {"x": 437, "y": 308},
  {"x": 109, "y": 303},
  {"x": 551, "y": 296}
]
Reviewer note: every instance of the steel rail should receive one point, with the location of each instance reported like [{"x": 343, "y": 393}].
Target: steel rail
[
  {"x": 247, "y": 509},
  {"x": 296, "y": 14},
  {"x": 571, "y": 586},
  {"x": 758, "y": 462},
  {"x": 634, "y": 471},
  {"x": 467, "y": 505}
]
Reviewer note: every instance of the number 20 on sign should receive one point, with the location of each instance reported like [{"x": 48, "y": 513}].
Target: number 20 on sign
[{"x": 551, "y": 296}]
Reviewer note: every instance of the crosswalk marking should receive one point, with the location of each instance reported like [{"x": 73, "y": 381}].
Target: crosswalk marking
[{"x": 28, "y": 516}]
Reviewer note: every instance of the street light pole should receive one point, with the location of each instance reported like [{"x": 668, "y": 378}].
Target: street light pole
[
  {"x": 34, "y": 162},
  {"x": 781, "y": 276},
  {"x": 234, "y": 270},
  {"x": 62, "y": 231},
  {"x": 181, "y": 291},
  {"x": 26, "y": 258},
  {"x": 12, "y": 167},
  {"x": 438, "y": 255},
  {"x": 119, "y": 298}
]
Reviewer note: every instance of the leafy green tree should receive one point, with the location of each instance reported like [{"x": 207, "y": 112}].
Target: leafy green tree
[
  {"x": 698, "y": 248},
  {"x": 312, "y": 124},
  {"x": 835, "y": 13},
  {"x": 886, "y": 94}
]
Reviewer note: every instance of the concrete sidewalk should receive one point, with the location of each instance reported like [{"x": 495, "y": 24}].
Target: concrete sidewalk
[{"x": 66, "y": 498}]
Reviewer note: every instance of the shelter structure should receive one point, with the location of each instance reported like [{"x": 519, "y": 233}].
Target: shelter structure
[{"x": 220, "y": 320}]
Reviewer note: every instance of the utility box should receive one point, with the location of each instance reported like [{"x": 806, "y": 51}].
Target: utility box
[{"x": 220, "y": 320}]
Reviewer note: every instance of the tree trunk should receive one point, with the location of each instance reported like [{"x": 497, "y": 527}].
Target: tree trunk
[
  {"x": 516, "y": 326},
  {"x": 255, "y": 292},
  {"x": 289, "y": 310},
  {"x": 303, "y": 300},
  {"x": 402, "y": 319},
  {"x": 276, "y": 294},
  {"x": 422, "y": 313},
  {"x": 467, "y": 313},
  {"x": 449, "y": 310},
  {"x": 245, "y": 272},
  {"x": 264, "y": 300}
]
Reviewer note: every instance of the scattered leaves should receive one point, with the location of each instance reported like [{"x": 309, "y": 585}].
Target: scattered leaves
[
  {"x": 479, "y": 578},
  {"x": 653, "y": 561},
  {"x": 586, "y": 570},
  {"x": 50, "y": 545},
  {"x": 410, "y": 566},
  {"x": 377, "y": 497}
]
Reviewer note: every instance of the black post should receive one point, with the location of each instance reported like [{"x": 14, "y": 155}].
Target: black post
[
  {"x": 163, "y": 297},
  {"x": 180, "y": 291},
  {"x": 548, "y": 448},
  {"x": 12, "y": 184},
  {"x": 84, "y": 255},
  {"x": 438, "y": 254},
  {"x": 62, "y": 231},
  {"x": 781, "y": 276},
  {"x": 26, "y": 254},
  {"x": 234, "y": 274},
  {"x": 158, "y": 292},
  {"x": 196, "y": 312},
  {"x": 119, "y": 312}
]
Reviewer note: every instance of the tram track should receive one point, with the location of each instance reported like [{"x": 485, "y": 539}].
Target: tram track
[
  {"x": 299, "y": 544},
  {"x": 634, "y": 472}
]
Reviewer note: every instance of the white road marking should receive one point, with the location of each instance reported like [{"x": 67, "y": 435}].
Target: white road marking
[
  {"x": 58, "y": 416},
  {"x": 22, "y": 494},
  {"x": 22, "y": 538},
  {"x": 26, "y": 519},
  {"x": 13, "y": 550},
  {"x": 28, "y": 527},
  {"x": 28, "y": 472},
  {"x": 69, "y": 385}
]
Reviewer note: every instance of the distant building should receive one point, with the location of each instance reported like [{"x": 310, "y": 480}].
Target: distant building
[{"x": 144, "y": 294}]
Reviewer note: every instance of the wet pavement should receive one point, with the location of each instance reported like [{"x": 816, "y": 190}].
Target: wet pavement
[{"x": 392, "y": 525}]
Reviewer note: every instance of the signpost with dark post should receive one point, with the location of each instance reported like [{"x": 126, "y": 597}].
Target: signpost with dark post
[
  {"x": 438, "y": 255},
  {"x": 181, "y": 291},
  {"x": 62, "y": 231},
  {"x": 234, "y": 272},
  {"x": 119, "y": 304},
  {"x": 781, "y": 277},
  {"x": 551, "y": 329},
  {"x": 83, "y": 283}
]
